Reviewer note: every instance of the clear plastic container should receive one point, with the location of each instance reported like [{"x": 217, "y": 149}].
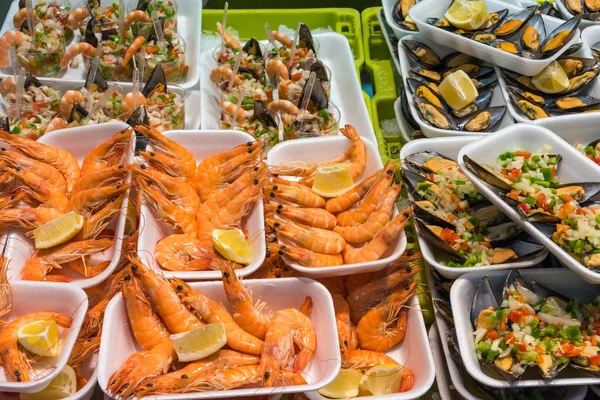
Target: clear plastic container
[
  {"x": 43, "y": 62},
  {"x": 30, "y": 123},
  {"x": 165, "y": 8},
  {"x": 167, "y": 110},
  {"x": 294, "y": 128},
  {"x": 175, "y": 70}
]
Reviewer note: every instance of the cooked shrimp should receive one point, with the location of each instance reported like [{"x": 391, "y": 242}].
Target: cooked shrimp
[
  {"x": 213, "y": 312},
  {"x": 135, "y": 46},
  {"x": 177, "y": 191},
  {"x": 15, "y": 363},
  {"x": 76, "y": 17},
  {"x": 136, "y": 16},
  {"x": 90, "y": 200},
  {"x": 277, "y": 69},
  {"x": 175, "y": 315},
  {"x": 10, "y": 200},
  {"x": 110, "y": 175},
  {"x": 56, "y": 123},
  {"x": 39, "y": 189},
  {"x": 294, "y": 193},
  {"x": 178, "y": 252},
  {"x": 19, "y": 17},
  {"x": 83, "y": 349},
  {"x": 7, "y": 85},
  {"x": 95, "y": 224},
  {"x": 130, "y": 104},
  {"x": 235, "y": 112},
  {"x": 313, "y": 239},
  {"x": 284, "y": 106},
  {"x": 110, "y": 153},
  {"x": 227, "y": 38},
  {"x": 283, "y": 38},
  {"x": 363, "y": 360},
  {"x": 307, "y": 258},
  {"x": 85, "y": 268},
  {"x": 27, "y": 218},
  {"x": 68, "y": 100},
  {"x": 219, "y": 199},
  {"x": 75, "y": 50},
  {"x": 316, "y": 217},
  {"x": 8, "y": 40},
  {"x": 374, "y": 249},
  {"x": 352, "y": 196},
  {"x": 356, "y": 154},
  {"x": 342, "y": 315},
  {"x": 6, "y": 300},
  {"x": 45, "y": 171},
  {"x": 220, "y": 74}
]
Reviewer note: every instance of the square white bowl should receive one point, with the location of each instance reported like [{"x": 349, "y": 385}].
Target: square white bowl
[
  {"x": 450, "y": 147},
  {"x": 203, "y": 144},
  {"x": 323, "y": 149},
  {"x": 118, "y": 343},
  {"x": 437, "y": 8},
  {"x": 585, "y": 23},
  {"x": 574, "y": 167},
  {"x": 461, "y": 296}
]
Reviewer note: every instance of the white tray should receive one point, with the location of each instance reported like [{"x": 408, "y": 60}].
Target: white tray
[
  {"x": 590, "y": 35},
  {"x": 442, "y": 377},
  {"x": 585, "y": 23},
  {"x": 437, "y": 8},
  {"x": 388, "y": 6},
  {"x": 30, "y": 297},
  {"x": 322, "y": 149},
  {"x": 203, "y": 144},
  {"x": 404, "y": 126},
  {"x": 575, "y": 167},
  {"x": 384, "y": 24},
  {"x": 450, "y": 147},
  {"x": 189, "y": 26},
  {"x": 20, "y": 248},
  {"x": 346, "y": 92},
  {"x": 117, "y": 342},
  {"x": 430, "y": 130},
  {"x": 461, "y": 297}
]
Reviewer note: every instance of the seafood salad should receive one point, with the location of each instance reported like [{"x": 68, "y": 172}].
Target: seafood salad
[
  {"x": 31, "y": 124},
  {"x": 52, "y": 15},
  {"x": 591, "y": 151},
  {"x": 305, "y": 50},
  {"x": 290, "y": 86},
  {"x": 246, "y": 88},
  {"x": 254, "y": 54},
  {"x": 172, "y": 56},
  {"x": 39, "y": 55},
  {"x": 260, "y": 122},
  {"x": 43, "y": 98}
]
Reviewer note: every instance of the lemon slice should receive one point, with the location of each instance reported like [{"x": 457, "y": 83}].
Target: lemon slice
[
  {"x": 458, "y": 90},
  {"x": 468, "y": 15},
  {"x": 553, "y": 79},
  {"x": 58, "y": 231},
  {"x": 232, "y": 244},
  {"x": 200, "y": 342},
  {"x": 40, "y": 337},
  {"x": 62, "y": 386},
  {"x": 344, "y": 385},
  {"x": 382, "y": 379},
  {"x": 332, "y": 180}
]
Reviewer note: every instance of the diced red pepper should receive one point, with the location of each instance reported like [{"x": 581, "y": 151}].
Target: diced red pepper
[
  {"x": 514, "y": 315},
  {"x": 522, "y": 347},
  {"x": 595, "y": 360},
  {"x": 525, "y": 154},
  {"x": 492, "y": 335},
  {"x": 525, "y": 207}
]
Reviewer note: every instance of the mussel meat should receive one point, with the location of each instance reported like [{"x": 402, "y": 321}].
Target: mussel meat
[
  {"x": 434, "y": 115},
  {"x": 482, "y": 120},
  {"x": 574, "y": 103},
  {"x": 424, "y": 92},
  {"x": 574, "y": 6},
  {"x": 592, "y": 6},
  {"x": 428, "y": 74},
  {"x": 528, "y": 108},
  {"x": 579, "y": 81},
  {"x": 428, "y": 162},
  {"x": 506, "y": 46},
  {"x": 472, "y": 70},
  {"x": 560, "y": 36},
  {"x": 513, "y": 22},
  {"x": 533, "y": 97},
  {"x": 494, "y": 18},
  {"x": 484, "y": 37},
  {"x": 576, "y": 65},
  {"x": 533, "y": 34},
  {"x": 252, "y": 47},
  {"x": 422, "y": 53}
]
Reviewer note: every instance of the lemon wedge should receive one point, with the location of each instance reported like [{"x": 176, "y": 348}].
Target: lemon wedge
[
  {"x": 200, "y": 342},
  {"x": 62, "y": 386},
  {"x": 233, "y": 245},
  {"x": 466, "y": 14},
  {"x": 458, "y": 90},
  {"x": 332, "y": 180},
  {"x": 382, "y": 379},
  {"x": 58, "y": 231},
  {"x": 40, "y": 337},
  {"x": 553, "y": 79},
  {"x": 344, "y": 385}
]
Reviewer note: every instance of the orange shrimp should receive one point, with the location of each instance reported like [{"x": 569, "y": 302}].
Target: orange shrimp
[
  {"x": 76, "y": 17},
  {"x": 277, "y": 69},
  {"x": 363, "y": 360},
  {"x": 342, "y": 315},
  {"x": 375, "y": 222},
  {"x": 352, "y": 196},
  {"x": 178, "y": 192},
  {"x": 219, "y": 199},
  {"x": 45, "y": 171},
  {"x": 27, "y": 218},
  {"x": 283, "y": 106},
  {"x": 10, "y": 200},
  {"x": 83, "y": 349},
  {"x": 227, "y": 38},
  {"x": 356, "y": 155},
  {"x": 76, "y": 49},
  {"x": 135, "y": 46},
  {"x": 316, "y": 217},
  {"x": 68, "y": 100},
  {"x": 110, "y": 175},
  {"x": 8, "y": 85},
  {"x": 130, "y": 104},
  {"x": 8, "y": 40},
  {"x": 110, "y": 153},
  {"x": 235, "y": 112},
  {"x": 39, "y": 189},
  {"x": 213, "y": 312},
  {"x": 306, "y": 257},
  {"x": 313, "y": 239},
  {"x": 95, "y": 224},
  {"x": 19, "y": 17},
  {"x": 90, "y": 200},
  {"x": 222, "y": 74},
  {"x": 294, "y": 193},
  {"x": 136, "y": 16},
  {"x": 283, "y": 38},
  {"x": 178, "y": 252}
]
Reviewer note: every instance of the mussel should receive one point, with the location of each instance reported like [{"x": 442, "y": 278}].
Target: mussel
[
  {"x": 454, "y": 60},
  {"x": 252, "y": 47},
  {"x": 494, "y": 18},
  {"x": 422, "y": 53},
  {"x": 152, "y": 32},
  {"x": 157, "y": 81},
  {"x": 305, "y": 39},
  {"x": 532, "y": 36},
  {"x": 139, "y": 117},
  {"x": 506, "y": 46},
  {"x": 556, "y": 39},
  {"x": 434, "y": 116},
  {"x": 262, "y": 114},
  {"x": 576, "y": 65},
  {"x": 319, "y": 69},
  {"x": 426, "y": 93},
  {"x": 430, "y": 75},
  {"x": 529, "y": 108},
  {"x": 400, "y": 12},
  {"x": 318, "y": 98},
  {"x": 575, "y": 7},
  {"x": 484, "y": 37},
  {"x": 481, "y": 102},
  {"x": 513, "y": 22},
  {"x": 482, "y": 120},
  {"x": 443, "y": 307},
  {"x": 573, "y": 103},
  {"x": 488, "y": 174},
  {"x": 89, "y": 35},
  {"x": 415, "y": 82},
  {"x": 97, "y": 80},
  {"x": 427, "y": 162},
  {"x": 580, "y": 81},
  {"x": 4, "y": 123},
  {"x": 532, "y": 97},
  {"x": 405, "y": 108},
  {"x": 31, "y": 80},
  {"x": 472, "y": 70}
]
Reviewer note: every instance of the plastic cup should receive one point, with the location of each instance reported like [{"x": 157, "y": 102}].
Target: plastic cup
[
  {"x": 42, "y": 62},
  {"x": 293, "y": 91},
  {"x": 163, "y": 118},
  {"x": 271, "y": 54},
  {"x": 170, "y": 21},
  {"x": 111, "y": 109},
  {"x": 293, "y": 129},
  {"x": 111, "y": 66},
  {"x": 51, "y": 105},
  {"x": 29, "y": 123},
  {"x": 174, "y": 70}
]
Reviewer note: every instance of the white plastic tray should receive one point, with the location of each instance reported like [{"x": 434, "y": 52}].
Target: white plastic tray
[
  {"x": 585, "y": 23},
  {"x": 384, "y": 24},
  {"x": 31, "y": 297},
  {"x": 189, "y": 26},
  {"x": 388, "y": 6},
  {"x": 117, "y": 342},
  {"x": 437, "y": 8},
  {"x": 450, "y": 147},
  {"x": 20, "y": 248},
  {"x": 203, "y": 144},
  {"x": 461, "y": 297},
  {"x": 322, "y": 149},
  {"x": 430, "y": 130},
  {"x": 575, "y": 167},
  {"x": 404, "y": 126},
  {"x": 346, "y": 92},
  {"x": 442, "y": 376}
]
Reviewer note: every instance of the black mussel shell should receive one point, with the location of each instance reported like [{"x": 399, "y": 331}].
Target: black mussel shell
[
  {"x": 426, "y": 162},
  {"x": 142, "y": 5},
  {"x": 430, "y": 75},
  {"x": 487, "y": 174},
  {"x": 152, "y": 31},
  {"x": 556, "y": 39},
  {"x": 512, "y": 23},
  {"x": 456, "y": 59},
  {"x": 89, "y": 35},
  {"x": 499, "y": 234},
  {"x": 532, "y": 36},
  {"x": 249, "y": 71},
  {"x": 106, "y": 33},
  {"x": 262, "y": 114},
  {"x": 423, "y": 211},
  {"x": 422, "y": 53},
  {"x": 488, "y": 214},
  {"x": 318, "y": 98},
  {"x": 78, "y": 112},
  {"x": 405, "y": 108},
  {"x": 319, "y": 68},
  {"x": 99, "y": 79},
  {"x": 483, "y": 299},
  {"x": 429, "y": 233},
  {"x": 93, "y": 4},
  {"x": 533, "y": 97},
  {"x": 483, "y": 120},
  {"x": 444, "y": 308},
  {"x": 4, "y": 123},
  {"x": 252, "y": 47},
  {"x": 157, "y": 81},
  {"x": 481, "y": 101},
  {"x": 485, "y": 81},
  {"x": 305, "y": 38},
  {"x": 31, "y": 80},
  {"x": 138, "y": 117},
  {"x": 528, "y": 107},
  {"x": 435, "y": 116}
]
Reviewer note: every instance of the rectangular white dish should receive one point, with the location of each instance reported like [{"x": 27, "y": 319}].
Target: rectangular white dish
[
  {"x": 189, "y": 26},
  {"x": 442, "y": 376},
  {"x": 461, "y": 297},
  {"x": 346, "y": 92},
  {"x": 386, "y": 26},
  {"x": 118, "y": 343},
  {"x": 203, "y": 144},
  {"x": 20, "y": 248},
  {"x": 575, "y": 167},
  {"x": 585, "y": 23},
  {"x": 405, "y": 128},
  {"x": 450, "y": 147},
  {"x": 323, "y": 149},
  {"x": 437, "y": 8},
  {"x": 429, "y": 130},
  {"x": 388, "y": 6}
]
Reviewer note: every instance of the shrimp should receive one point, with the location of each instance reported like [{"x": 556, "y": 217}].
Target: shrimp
[
  {"x": 141, "y": 366},
  {"x": 6, "y": 300},
  {"x": 284, "y": 106},
  {"x": 135, "y": 46},
  {"x": 313, "y": 239},
  {"x": 8, "y": 40},
  {"x": 175, "y": 315},
  {"x": 76, "y": 17},
  {"x": 27, "y": 218},
  {"x": 90, "y": 200},
  {"x": 182, "y": 379},
  {"x": 356, "y": 154},
  {"x": 19, "y": 17},
  {"x": 8, "y": 85},
  {"x": 10, "y": 200},
  {"x": 178, "y": 252},
  {"x": 60, "y": 159},
  {"x": 283, "y": 38},
  {"x": 130, "y": 104},
  {"x": 106, "y": 176},
  {"x": 213, "y": 312},
  {"x": 14, "y": 361},
  {"x": 352, "y": 196},
  {"x": 235, "y": 112},
  {"x": 368, "y": 204},
  {"x": 39, "y": 189},
  {"x": 56, "y": 123},
  {"x": 83, "y": 349},
  {"x": 136, "y": 16},
  {"x": 227, "y": 38},
  {"x": 342, "y": 314},
  {"x": 363, "y": 360},
  {"x": 294, "y": 193},
  {"x": 374, "y": 249},
  {"x": 246, "y": 314},
  {"x": 316, "y": 217},
  {"x": 220, "y": 74},
  {"x": 68, "y": 100},
  {"x": 219, "y": 199},
  {"x": 307, "y": 258},
  {"x": 109, "y": 153},
  {"x": 76, "y": 49},
  {"x": 376, "y": 221},
  {"x": 288, "y": 327},
  {"x": 275, "y": 68},
  {"x": 177, "y": 191},
  {"x": 95, "y": 224}
]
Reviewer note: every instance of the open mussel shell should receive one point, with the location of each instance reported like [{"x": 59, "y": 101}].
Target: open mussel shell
[
  {"x": 487, "y": 174},
  {"x": 584, "y": 363},
  {"x": 472, "y": 70},
  {"x": 576, "y": 65},
  {"x": 482, "y": 101},
  {"x": 139, "y": 117},
  {"x": 157, "y": 81},
  {"x": 498, "y": 235},
  {"x": 533, "y": 97},
  {"x": 575, "y": 7},
  {"x": 89, "y": 35},
  {"x": 318, "y": 98},
  {"x": 431, "y": 234},
  {"x": 99, "y": 79},
  {"x": 483, "y": 299},
  {"x": 556, "y": 39},
  {"x": 548, "y": 9},
  {"x": 426, "y": 211},
  {"x": 528, "y": 106},
  {"x": 441, "y": 23},
  {"x": 429, "y": 95},
  {"x": 319, "y": 69},
  {"x": 152, "y": 32},
  {"x": 582, "y": 192},
  {"x": 545, "y": 292},
  {"x": 252, "y": 47},
  {"x": 456, "y": 59},
  {"x": 512, "y": 23},
  {"x": 444, "y": 308},
  {"x": 424, "y": 73},
  {"x": 78, "y": 113},
  {"x": 494, "y": 19},
  {"x": 592, "y": 261},
  {"x": 422, "y": 54},
  {"x": 406, "y": 113},
  {"x": 484, "y": 37},
  {"x": 521, "y": 81},
  {"x": 4, "y": 124},
  {"x": 485, "y": 81},
  {"x": 305, "y": 39},
  {"x": 401, "y": 9},
  {"x": 427, "y": 162},
  {"x": 532, "y": 36},
  {"x": 516, "y": 280},
  {"x": 262, "y": 114},
  {"x": 582, "y": 81},
  {"x": 415, "y": 82},
  {"x": 506, "y": 46},
  {"x": 31, "y": 80},
  {"x": 435, "y": 116},
  {"x": 483, "y": 120},
  {"x": 488, "y": 214},
  {"x": 573, "y": 103}
]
